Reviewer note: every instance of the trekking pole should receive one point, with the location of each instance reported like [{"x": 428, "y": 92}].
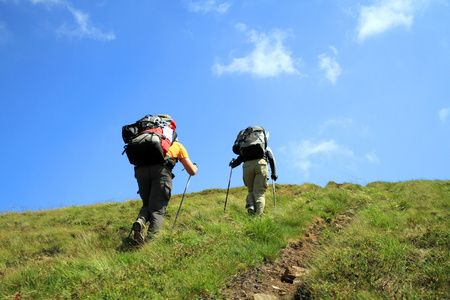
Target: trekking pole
[
  {"x": 274, "y": 198},
  {"x": 226, "y": 198},
  {"x": 187, "y": 184}
]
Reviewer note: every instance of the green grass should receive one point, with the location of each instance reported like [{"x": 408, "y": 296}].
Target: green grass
[{"x": 396, "y": 245}]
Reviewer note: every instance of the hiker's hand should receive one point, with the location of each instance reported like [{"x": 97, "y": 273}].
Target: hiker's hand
[
  {"x": 231, "y": 162},
  {"x": 189, "y": 166},
  {"x": 274, "y": 177}
]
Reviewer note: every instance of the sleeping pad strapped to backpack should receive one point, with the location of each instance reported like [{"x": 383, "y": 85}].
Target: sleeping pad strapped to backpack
[
  {"x": 251, "y": 143},
  {"x": 148, "y": 140}
]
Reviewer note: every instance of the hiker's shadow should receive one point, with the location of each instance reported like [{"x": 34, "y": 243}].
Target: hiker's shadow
[{"x": 128, "y": 245}]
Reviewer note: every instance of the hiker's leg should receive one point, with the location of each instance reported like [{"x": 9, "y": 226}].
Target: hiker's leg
[
  {"x": 144, "y": 184},
  {"x": 260, "y": 185},
  {"x": 159, "y": 197},
  {"x": 248, "y": 174}
]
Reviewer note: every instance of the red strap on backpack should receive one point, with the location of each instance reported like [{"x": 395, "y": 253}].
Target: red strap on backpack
[{"x": 165, "y": 142}]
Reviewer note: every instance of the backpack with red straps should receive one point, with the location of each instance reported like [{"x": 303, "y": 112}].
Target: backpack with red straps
[{"x": 148, "y": 140}]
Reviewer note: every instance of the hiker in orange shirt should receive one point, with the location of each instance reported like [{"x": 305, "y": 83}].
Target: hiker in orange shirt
[{"x": 153, "y": 171}]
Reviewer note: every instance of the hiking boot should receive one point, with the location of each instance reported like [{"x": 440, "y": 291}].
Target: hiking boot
[
  {"x": 138, "y": 228},
  {"x": 250, "y": 209}
]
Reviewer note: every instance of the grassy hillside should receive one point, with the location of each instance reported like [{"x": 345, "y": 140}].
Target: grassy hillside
[{"x": 395, "y": 244}]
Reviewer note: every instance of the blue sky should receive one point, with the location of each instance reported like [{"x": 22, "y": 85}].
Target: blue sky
[{"x": 350, "y": 91}]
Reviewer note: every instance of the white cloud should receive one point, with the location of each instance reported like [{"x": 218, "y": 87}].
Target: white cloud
[
  {"x": 341, "y": 122},
  {"x": 330, "y": 65},
  {"x": 335, "y": 51},
  {"x": 346, "y": 126},
  {"x": 373, "y": 158},
  {"x": 268, "y": 59},
  {"x": 207, "y": 6},
  {"x": 49, "y": 2},
  {"x": 307, "y": 154},
  {"x": 328, "y": 154},
  {"x": 82, "y": 28},
  {"x": 5, "y": 35},
  {"x": 385, "y": 15},
  {"x": 444, "y": 114}
]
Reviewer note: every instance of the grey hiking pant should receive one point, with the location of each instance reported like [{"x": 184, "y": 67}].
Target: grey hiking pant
[
  {"x": 256, "y": 177},
  {"x": 155, "y": 187}
]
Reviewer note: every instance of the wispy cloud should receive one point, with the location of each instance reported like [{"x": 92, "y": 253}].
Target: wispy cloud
[
  {"x": 82, "y": 28},
  {"x": 5, "y": 35},
  {"x": 48, "y": 2},
  {"x": 373, "y": 157},
  {"x": 344, "y": 126},
  {"x": 340, "y": 122},
  {"x": 269, "y": 58},
  {"x": 385, "y": 15},
  {"x": 207, "y": 6},
  {"x": 328, "y": 152},
  {"x": 444, "y": 114},
  {"x": 330, "y": 66},
  {"x": 307, "y": 154}
]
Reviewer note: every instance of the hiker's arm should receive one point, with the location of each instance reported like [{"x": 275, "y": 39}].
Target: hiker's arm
[
  {"x": 189, "y": 166},
  {"x": 271, "y": 159},
  {"x": 236, "y": 162}
]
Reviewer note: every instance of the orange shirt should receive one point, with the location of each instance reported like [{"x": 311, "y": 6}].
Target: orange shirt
[{"x": 177, "y": 150}]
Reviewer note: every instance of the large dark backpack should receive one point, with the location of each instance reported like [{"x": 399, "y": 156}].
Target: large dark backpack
[
  {"x": 251, "y": 143},
  {"x": 148, "y": 140}
]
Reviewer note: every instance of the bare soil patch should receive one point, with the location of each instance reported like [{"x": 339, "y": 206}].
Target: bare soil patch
[{"x": 281, "y": 279}]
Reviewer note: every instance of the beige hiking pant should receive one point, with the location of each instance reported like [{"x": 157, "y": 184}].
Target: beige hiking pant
[{"x": 256, "y": 177}]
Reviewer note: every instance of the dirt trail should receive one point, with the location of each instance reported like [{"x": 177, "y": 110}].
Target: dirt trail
[{"x": 281, "y": 279}]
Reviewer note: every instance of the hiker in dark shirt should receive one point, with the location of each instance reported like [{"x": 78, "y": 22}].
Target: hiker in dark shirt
[{"x": 255, "y": 154}]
